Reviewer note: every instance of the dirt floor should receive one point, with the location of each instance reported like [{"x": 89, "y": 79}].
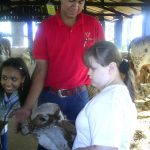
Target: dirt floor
[{"x": 19, "y": 142}]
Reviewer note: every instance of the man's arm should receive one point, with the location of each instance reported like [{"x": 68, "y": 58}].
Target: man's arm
[{"x": 38, "y": 79}]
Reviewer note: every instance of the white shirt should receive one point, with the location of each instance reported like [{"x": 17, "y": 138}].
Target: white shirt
[{"x": 109, "y": 119}]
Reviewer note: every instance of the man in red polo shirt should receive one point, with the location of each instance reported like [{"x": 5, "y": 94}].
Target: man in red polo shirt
[{"x": 60, "y": 75}]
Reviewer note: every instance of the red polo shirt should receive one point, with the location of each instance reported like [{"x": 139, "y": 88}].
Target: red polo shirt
[{"x": 63, "y": 47}]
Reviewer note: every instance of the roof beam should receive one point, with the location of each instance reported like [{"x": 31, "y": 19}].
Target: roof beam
[
  {"x": 116, "y": 12},
  {"x": 101, "y": 14},
  {"x": 24, "y": 3},
  {"x": 102, "y": 3},
  {"x": 117, "y": 4}
]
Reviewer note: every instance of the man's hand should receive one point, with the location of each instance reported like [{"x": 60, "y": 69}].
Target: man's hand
[{"x": 20, "y": 115}]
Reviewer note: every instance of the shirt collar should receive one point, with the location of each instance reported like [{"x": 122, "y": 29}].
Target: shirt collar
[{"x": 61, "y": 23}]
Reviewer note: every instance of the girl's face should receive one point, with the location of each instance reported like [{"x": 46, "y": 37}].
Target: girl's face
[
  {"x": 11, "y": 79},
  {"x": 98, "y": 74}
]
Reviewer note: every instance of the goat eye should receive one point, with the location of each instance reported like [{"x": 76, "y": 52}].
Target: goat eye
[
  {"x": 146, "y": 50},
  {"x": 42, "y": 119}
]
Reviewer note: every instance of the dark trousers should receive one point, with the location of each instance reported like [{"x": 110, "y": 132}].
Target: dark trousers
[
  {"x": 70, "y": 105},
  {"x": 4, "y": 141}
]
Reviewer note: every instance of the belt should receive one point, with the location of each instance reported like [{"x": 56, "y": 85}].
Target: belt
[{"x": 67, "y": 92}]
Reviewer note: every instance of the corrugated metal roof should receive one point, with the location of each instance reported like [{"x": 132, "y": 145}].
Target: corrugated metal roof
[{"x": 22, "y": 10}]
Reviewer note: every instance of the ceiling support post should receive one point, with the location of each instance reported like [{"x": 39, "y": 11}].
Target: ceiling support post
[
  {"x": 30, "y": 35},
  {"x": 118, "y": 31},
  {"x": 146, "y": 21}
]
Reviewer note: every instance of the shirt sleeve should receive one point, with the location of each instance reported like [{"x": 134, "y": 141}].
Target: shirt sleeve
[{"x": 40, "y": 42}]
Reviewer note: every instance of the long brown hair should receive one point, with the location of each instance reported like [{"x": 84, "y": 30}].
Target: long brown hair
[{"x": 105, "y": 52}]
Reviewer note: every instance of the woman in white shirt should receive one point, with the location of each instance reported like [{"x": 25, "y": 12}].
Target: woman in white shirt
[{"x": 108, "y": 121}]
